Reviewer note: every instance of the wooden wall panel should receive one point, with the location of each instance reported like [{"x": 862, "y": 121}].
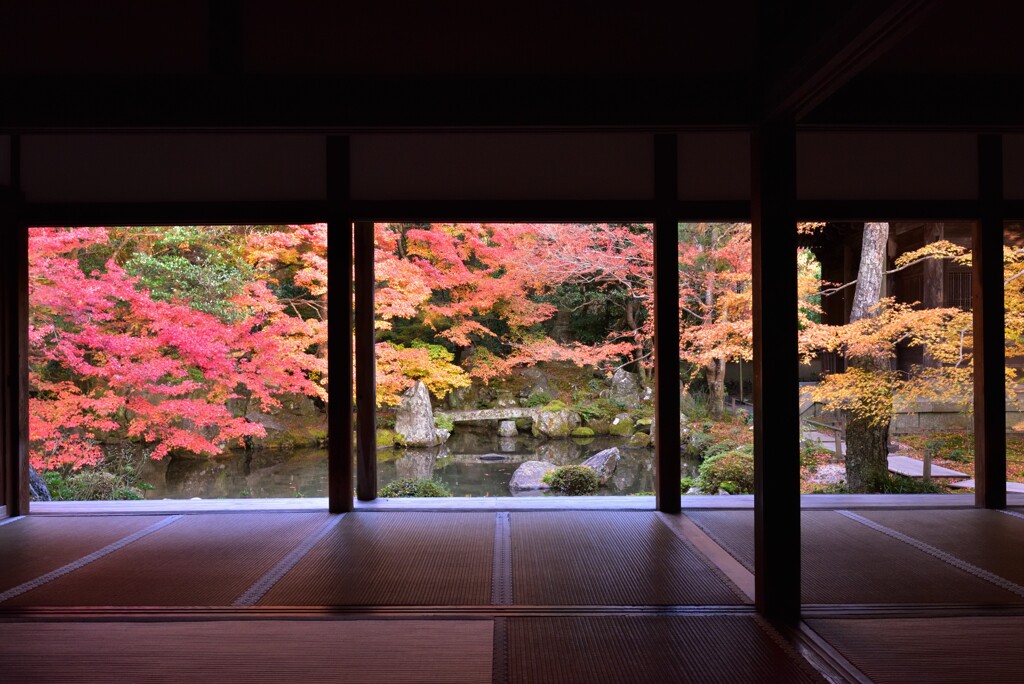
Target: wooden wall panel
[
  {"x": 886, "y": 166},
  {"x": 173, "y": 167},
  {"x": 503, "y": 166},
  {"x": 714, "y": 166}
]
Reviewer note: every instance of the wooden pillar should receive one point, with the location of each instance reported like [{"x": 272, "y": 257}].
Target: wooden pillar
[
  {"x": 366, "y": 387},
  {"x": 776, "y": 380},
  {"x": 988, "y": 304},
  {"x": 339, "y": 328},
  {"x": 666, "y": 325},
  {"x": 14, "y": 353}
]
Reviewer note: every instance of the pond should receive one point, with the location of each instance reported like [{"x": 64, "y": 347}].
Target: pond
[{"x": 474, "y": 462}]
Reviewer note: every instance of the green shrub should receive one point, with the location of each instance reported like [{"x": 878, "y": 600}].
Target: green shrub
[
  {"x": 409, "y": 487},
  {"x": 538, "y": 398},
  {"x": 582, "y": 432},
  {"x": 575, "y": 480},
  {"x": 697, "y": 444},
  {"x": 117, "y": 477},
  {"x": 686, "y": 484},
  {"x": 732, "y": 471},
  {"x": 444, "y": 422},
  {"x": 716, "y": 448},
  {"x": 901, "y": 484}
]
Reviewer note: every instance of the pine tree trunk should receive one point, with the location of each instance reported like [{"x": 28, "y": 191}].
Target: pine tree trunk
[{"x": 867, "y": 441}]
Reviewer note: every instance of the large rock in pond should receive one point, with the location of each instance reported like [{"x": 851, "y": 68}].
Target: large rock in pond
[
  {"x": 603, "y": 463},
  {"x": 38, "y": 491},
  {"x": 507, "y": 428},
  {"x": 530, "y": 475},
  {"x": 625, "y": 388},
  {"x": 555, "y": 424},
  {"x": 414, "y": 420}
]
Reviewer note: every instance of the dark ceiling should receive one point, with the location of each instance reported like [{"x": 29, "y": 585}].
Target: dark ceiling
[{"x": 332, "y": 65}]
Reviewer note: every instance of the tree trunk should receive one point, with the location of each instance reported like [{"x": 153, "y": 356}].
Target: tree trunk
[
  {"x": 933, "y": 282},
  {"x": 867, "y": 441},
  {"x": 715, "y": 372}
]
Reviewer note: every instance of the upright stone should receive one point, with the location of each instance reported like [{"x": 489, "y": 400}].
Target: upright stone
[
  {"x": 603, "y": 463},
  {"x": 507, "y": 428},
  {"x": 625, "y": 388},
  {"x": 414, "y": 421}
]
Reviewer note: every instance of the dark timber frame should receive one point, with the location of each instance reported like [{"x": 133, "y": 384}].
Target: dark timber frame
[
  {"x": 774, "y": 209},
  {"x": 776, "y": 373},
  {"x": 339, "y": 328},
  {"x": 988, "y": 304}
]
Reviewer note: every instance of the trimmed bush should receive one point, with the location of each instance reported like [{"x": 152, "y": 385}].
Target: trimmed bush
[
  {"x": 686, "y": 484},
  {"x": 575, "y": 480},
  {"x": 408, "y": 487},
  {"x": 538, "y": 398},
  {"x": 732, "y": 471},
  {"x": 697, "y": 444}
]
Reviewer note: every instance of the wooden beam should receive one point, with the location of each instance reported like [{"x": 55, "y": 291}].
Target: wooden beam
[
  {"x": 666, "y": 325},
  {"x": 14, "y": 361},
  {"x": 988, "y": 303},
  {"x": 366, "y": 387},
  {"x": 836, "y": 51},
  {"x": 339, "y": 329},
  {"x": 776, "y": 386}
]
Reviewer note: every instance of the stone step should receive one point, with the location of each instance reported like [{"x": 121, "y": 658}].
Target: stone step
[
  {"x": 1015, "y": 487},
  {"x": 905, "y": 465}
]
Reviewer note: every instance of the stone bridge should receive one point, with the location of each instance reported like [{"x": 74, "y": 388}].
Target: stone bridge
[{"x": 510, "y": 413}]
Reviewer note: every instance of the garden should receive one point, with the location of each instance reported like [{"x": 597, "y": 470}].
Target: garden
[{"x": 511, "y": 359}]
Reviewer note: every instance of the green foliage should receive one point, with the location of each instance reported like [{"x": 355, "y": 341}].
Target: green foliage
[
  {"x": 444, "y": 422},
  {"x": 575, "y": 480},
  {"x": 696, "y": 445},
  {"x": 419, "y": 488},
  {"x": 597, "y": 409},
  {"x": 117, "y": 477},
  {"x": 538, "y": 398},
  {"x": 686, "y": 484},
  {"x": 837, "y": 488},
  {"x": 901, "y": 484},
  {"x": 720, "y": 447},
  {"x": 732, "y": 471},
  {"x": 694, "y": 405}
]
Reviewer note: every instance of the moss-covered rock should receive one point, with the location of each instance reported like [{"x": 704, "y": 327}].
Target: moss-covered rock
[
  {"x": 582, "y": 432},
  {"x": 639, "y": 439},
  {"x": 555, "y": 424},
  {"x": 524, "y": 424},
  {"x": 622, "y": 426},
  {"x": 600, "y": 426}
]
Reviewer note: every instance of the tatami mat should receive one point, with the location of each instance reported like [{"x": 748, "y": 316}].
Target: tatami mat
[
  {"x": 395, "y": 559},
  {"x": 990, "y": 540},
  {"x": 847, "y": 562},
  {"x": 612, "y": 650},
  {"x": 967, "y": 650},
  {"x": 844, "y": 561},
  {"x": 732, "y": 530},
  {"x": 248, "y": 652},
  {"x": 605, "y": 558},
  {"x": 34, "y": 545},
  {"x": 200, "y": 560}
]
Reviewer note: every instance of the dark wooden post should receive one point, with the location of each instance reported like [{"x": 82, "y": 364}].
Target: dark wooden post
[
  {"x": 776, "y": 380},
  {"x": 339, "y": 328},
  {"x": 666, "y": 325},
  {"x": 989, "y": 330},
  {"x": 14, "y": 351},
  {"x": 366, "y": 387}
]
